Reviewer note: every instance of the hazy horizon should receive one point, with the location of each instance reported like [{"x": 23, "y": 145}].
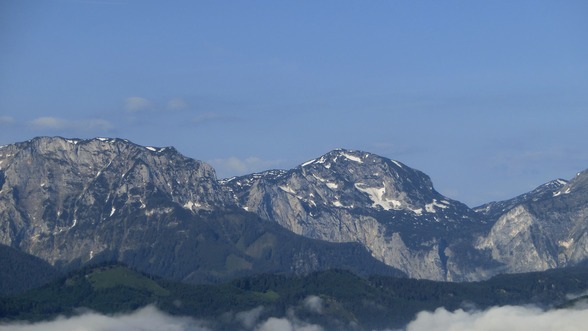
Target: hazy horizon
[{"x": 487, "y": 98}]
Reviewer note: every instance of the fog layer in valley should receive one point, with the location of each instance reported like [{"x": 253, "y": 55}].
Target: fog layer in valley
[{"x": 521, "y": 318}]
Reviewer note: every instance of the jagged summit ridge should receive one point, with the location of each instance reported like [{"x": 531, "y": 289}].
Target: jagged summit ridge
[
  {"x": 74, "y": 201},
  {"x": 351, "y": 179},
  {"x": 553, "y": 188},
  {"x": 70, "y": 200},
  {"x": 355, "y": 196},
  {"x": 51, "y": 186}
]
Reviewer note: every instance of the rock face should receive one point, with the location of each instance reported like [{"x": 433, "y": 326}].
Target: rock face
[
  {"x": 74, "y": 201},
  {"x": 71, "y": 202},
  {"x": 394, "y": 211},
  {"x": 51, "y": 186},
  {"x": 353, "y": 196},
  {"x": 546, "y": 228}
]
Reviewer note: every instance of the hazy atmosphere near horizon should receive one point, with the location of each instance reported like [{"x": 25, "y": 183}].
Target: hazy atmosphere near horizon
[{"x": 489, "y": 98}]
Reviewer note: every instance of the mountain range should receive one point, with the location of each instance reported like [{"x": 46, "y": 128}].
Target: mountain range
[{"x": 71, "y": 202}]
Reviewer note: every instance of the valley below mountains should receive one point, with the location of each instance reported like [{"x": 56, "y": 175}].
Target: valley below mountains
[{"x": 72, "y": 202}]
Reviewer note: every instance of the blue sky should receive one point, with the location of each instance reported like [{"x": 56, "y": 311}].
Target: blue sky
[{"x": 489, "y": 98}]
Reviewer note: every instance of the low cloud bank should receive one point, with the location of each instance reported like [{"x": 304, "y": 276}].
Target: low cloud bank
[
  {"x": 151, "y": 319},
  {"x": 145, "y": 319},
  {"x": 502, "y": 318}
]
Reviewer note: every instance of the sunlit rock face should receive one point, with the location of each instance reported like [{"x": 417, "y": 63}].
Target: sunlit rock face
[
  {"x": 543, "y": 229},
  {"x": 71, "y": 202},
  {"x": 353, "y": 196},
  {"x": 56, "y": 191}
]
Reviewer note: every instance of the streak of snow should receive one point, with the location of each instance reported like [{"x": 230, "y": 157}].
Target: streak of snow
[
  {"x": 396, "y": 163},
  {"x": 287, "y": 189},
  {"x": 75, "y": 142},
  {"x": 308, "y": 162},
  {"x": 332, "y": 185},
  {"x": 352, "y": 157},
  {"x": 112, "y": 211},
  {"x": 153, "y": 149},
  {"x": 322, "y": 180},
  {"x": 337, "y": 204},
  {"x": 151, "y": 212},
  {"x": 560, "y": 192},
  {"x": 566, "y": 243},
  {"x": 191, "y": 205},
  {"x": 419, "y": 211},
  {"x": 430, "y": 207},
  {"x": 376, "y": 194}
]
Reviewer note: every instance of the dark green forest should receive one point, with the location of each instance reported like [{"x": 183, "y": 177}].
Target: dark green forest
[{"x": 349, "y": 301}]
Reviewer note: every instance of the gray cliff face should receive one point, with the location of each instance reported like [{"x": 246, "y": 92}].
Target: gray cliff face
[
  {"x": 543, "y": 229},
  {"x": 70, "y": 202},
  {"x": 353, "y": 196},
  {"x": 54, "y": 189},
  {"x": 494, "y": 210}
]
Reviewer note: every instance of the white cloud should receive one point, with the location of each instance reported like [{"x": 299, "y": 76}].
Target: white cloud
[
  {"x": 207, "y": 117},
  {"x": 49, "y": 122},
  {"x": 249, "y": 318},
  {"x": 151, "y": 319},
  {"x": 177, "y": 104},
  {"x": 520, "y": 318},
  {"x": 314, "y": 304},
  {"x": 501, "y": 318},
  {"x": 135, "y": 104},
  {"x": 6, "y": 120},
  {"x": 83, "y": 125},
  {"x": 287, "y": 324},
  {"x": 234, "y": 166},
  {"x": 96, "y": 124},
  {"x": 145, "y": 319}
]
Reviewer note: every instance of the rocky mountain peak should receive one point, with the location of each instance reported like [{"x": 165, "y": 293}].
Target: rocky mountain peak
[
  {"x": 577, "y": 184},
  {"x": 51, "y": 185},
  {"x": 71, "y": 201},
  {"x": 385, "y": 184},
  {"x": 349, "y": 195},
  {"x": 348, "y": 179},
  {"x": 493, "y": 210}
]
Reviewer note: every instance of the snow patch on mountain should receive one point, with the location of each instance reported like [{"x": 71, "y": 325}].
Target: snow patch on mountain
[
  {"x": 287, "y": 189},
  {"x": 376, "y": 194},
  {"x": 430, "y": 207},
  {"x": 352, "y": 157}
]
